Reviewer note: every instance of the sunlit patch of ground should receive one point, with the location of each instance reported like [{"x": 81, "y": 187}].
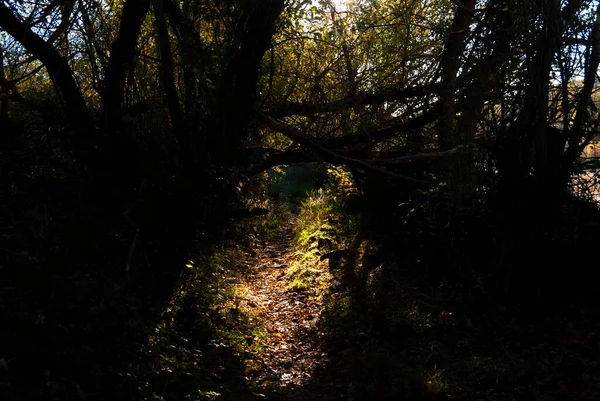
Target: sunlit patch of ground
[
  {"x": 280, "y": 324},
  {"x": 240, "y": 327},
  {"x": 291, "y": 315}
]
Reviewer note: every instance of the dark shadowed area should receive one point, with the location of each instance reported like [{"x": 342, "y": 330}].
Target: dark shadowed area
[{"x": 299, "y": 200}]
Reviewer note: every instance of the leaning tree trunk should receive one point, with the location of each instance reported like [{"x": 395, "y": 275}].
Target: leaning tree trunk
[
  {"x": 168, "y": 82},
  {"x": 540, "y": 139},
  {"x": 450, "y": 63},
  {"x": 62, "y": 75},
  {"x": 4, "y": 104},
  {"x": 233, "y": 109},
  {"x": 191, "y": 49},
  {"x": 120, "y": 148},
  {"x": 577, "y": 132}
]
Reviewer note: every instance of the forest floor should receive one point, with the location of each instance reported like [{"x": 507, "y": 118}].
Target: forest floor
[
  {"x": 271, "y": 317},
  {"x": 292, "y": 344},
  {"x": 273, "y": 323}
]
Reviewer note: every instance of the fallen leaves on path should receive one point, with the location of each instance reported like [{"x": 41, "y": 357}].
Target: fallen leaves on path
[{"x": 292, "y": 350}]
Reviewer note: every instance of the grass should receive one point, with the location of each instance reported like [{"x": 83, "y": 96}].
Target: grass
[
  {"x": 404, "y": 334},
  {"x": 205, "y": 336},
  {"x": 401, "y": 337},
  {"x": 267, "y": 228},
  {"x": 301, "y": 275},
  {"x": 322, "y": 223},
  {"x": 313, "y": 220},
  {"x": 298, "y": 284}
]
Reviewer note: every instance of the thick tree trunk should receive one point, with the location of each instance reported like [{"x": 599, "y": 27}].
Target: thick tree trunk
[
  {"x": 488, "y": 76},
  {"x": 121, "y": 148},
  {"x": 531, "y": 163},
  {"x": 539, "y": 89},
  {"x": 61, "y": 73},
  {"x": 4, "y": 104},
  {"x": 191, "y": 48},
  {"x": 233, "y": 109},
  {"x": 577, "y": 133},
  {"x": 448, "y": 135},
  {"x": 549, "y": 167},
  {"x": 96, "y": 54},
  {"x": 487, "y": 71},
  {"x": 453, "y": 50},
  {"x": 168, "y": 83}
]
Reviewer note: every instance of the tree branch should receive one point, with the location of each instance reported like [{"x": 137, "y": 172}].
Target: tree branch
[
  {"x": 377, "y": 134},
  {"x": 121, "y": 55},
  {"x": 59, "y": 70},
  {"x": 329, "y": 155},
  {"x": 421, "y": 157},
  {"x": 369, "y": 135},
  {"x": 362, "y": 99}
]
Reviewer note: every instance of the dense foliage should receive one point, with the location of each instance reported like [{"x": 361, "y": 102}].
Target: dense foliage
[{"x": 450, "y": 136}]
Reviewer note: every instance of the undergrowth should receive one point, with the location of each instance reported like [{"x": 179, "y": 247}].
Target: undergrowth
[
  {"x": 205, "y": 336},
  {"x": 322, "y": 221},
  {"x": 416, "y": 312},
  {"x": 321, "y": 226},
  {"x": 267, "y": 228},
  {"x": 208, "y": 336}
]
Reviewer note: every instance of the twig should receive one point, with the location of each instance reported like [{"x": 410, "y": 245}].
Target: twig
[
  {"x": 418, "y": 157},
  {"x": 330, "y": 155}
]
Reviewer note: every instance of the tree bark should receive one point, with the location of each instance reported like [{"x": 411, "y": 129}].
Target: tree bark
[
  {"x": 121, "y": 149},
  {"x": 332, "y": 156},
  {"x": 121, "y": 56},
  {"x": 168, "y": 81},
  {"x": 191, "y": 48},
  {"x": 539, "y": 86},
  {"x": 233, "y": 109},
  {"x": 535, "y": 116},
  {"x": 59, "y": 70},
  {"x": 450, "y": 63},
  {"x": 361, "y": 99},
  {"x": 4, "y": 92},
  {"x": 585, "y": 97}
]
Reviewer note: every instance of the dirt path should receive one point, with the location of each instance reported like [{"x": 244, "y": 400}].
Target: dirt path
[{"x": 292, "y": 348}]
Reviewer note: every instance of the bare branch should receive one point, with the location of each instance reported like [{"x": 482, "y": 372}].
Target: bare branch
[
  {"x": 377, "y": 134},
  {"x": 329, "y": 155},
  {"x": 421, "y": 157},
  {"x": 362, "y": 99},
  {"x": 59, "y": 70}
]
